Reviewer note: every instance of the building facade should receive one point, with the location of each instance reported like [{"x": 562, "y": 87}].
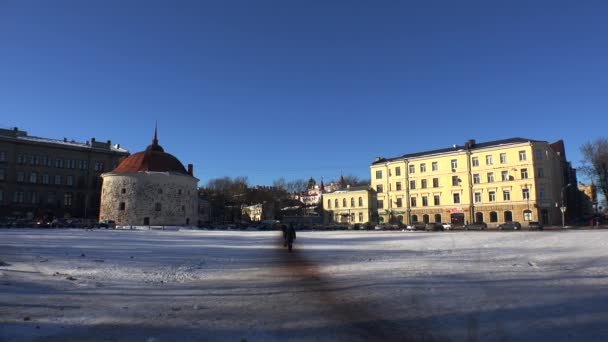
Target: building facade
[
  {"x": 42, "y": 177},
  {"x": 150, "y": 188},
  {"x": 350, "y": 205},
  {"x": 494, "y": 182}
]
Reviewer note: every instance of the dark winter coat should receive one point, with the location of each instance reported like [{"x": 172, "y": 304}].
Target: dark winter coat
[{"x": 290, "y": 234}]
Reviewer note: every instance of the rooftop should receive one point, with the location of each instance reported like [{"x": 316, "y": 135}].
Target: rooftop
[
  {"x": 16, "y": 134},
  {"x": 471, "y": 145}
]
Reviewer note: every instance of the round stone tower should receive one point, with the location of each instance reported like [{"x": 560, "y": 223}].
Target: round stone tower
[{"x": 150, "y": 188}]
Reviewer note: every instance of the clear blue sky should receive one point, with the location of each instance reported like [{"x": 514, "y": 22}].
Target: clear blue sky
[{"x": 294, "y": 89}]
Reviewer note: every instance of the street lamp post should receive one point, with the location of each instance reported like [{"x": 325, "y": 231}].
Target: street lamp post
[{"x": 563, "y": 207}]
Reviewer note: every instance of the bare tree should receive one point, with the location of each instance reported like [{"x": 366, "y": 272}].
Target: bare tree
[
  {"x": 595, "y": 164},
  {"x": 353, "y": 180},
  {"x": 297, "y": 186},
  {"x": 280, "y": 183}
]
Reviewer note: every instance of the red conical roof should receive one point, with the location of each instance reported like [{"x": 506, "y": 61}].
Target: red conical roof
[{"x": 154, "y": 158}]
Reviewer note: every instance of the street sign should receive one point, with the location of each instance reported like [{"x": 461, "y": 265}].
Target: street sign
[{"x": 563, "y": 209}]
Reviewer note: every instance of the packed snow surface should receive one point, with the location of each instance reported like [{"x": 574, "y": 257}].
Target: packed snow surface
[{"x": 136, "y": 285}]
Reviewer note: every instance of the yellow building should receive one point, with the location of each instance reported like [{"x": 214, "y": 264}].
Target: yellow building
[
  {"x": 349, "y": 205},
  {"x": 253, "y": 212},
  {"x": 494, "y": 182}
]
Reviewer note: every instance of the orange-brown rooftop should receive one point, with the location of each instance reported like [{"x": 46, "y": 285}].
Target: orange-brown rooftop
[{"x": 154, "y": 158}]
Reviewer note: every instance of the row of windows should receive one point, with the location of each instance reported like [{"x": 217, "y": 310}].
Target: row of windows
[
  {"x": 456, "y": 180},
  {"x": 32, "y": 197},
  {"x": 503, "y": 158},
  {"x": 479, "y": 217},
  {"x": 35, "y": 178},
  {"x": 160, "y": 191},
  {"x": 351, "y": 217},
  {"x": 336, "y": 202},
  {"x": 157, "y": 206},
  {"x": 506, "y": 196},
  {"x": 454, "y": 163},
  {"x": 33, "y": 160}
]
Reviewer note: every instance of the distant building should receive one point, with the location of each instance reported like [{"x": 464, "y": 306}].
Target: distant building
[
  {"x": 151, "y": 187},
  {"x": 350, "y": 205},
  {"x": 253, "y": 213},
  {"x": 50, "y": 177},
  {"x": 588, "y": 198}
]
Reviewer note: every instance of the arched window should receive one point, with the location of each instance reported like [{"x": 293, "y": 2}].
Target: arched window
[
  {"x": 336, "y": 202},
  {"x": 360, "y": 201},
  {"x": 425, "y": 218},
  {"x": 493, "y": 216},
  {"x": 414, "y": 218},
  {"x": 352, "y": 201},
  {"x": 508, "y": 216},
  {"x": 344, "y": 202},
  {"x": 528, "y": 215},
  {"x": 438, "y": 218},
  {"x": 478, "y": 217}
]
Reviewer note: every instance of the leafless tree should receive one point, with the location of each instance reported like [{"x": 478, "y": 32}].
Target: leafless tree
[{"x": 595, "y": 164}]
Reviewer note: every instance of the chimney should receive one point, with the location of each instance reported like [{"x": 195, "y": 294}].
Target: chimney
[
  {"x": 117, "y": 146},
  {"x": 65, "y": 139},
  {"x": 191, "y": 170},
  {"x": 469, "y": 144},
  {"x": 109, "y": 142},
  {"x": 92, "y": 140},
  {"x": 16, "y": 129},
  {"x": 377, "y": 159}
]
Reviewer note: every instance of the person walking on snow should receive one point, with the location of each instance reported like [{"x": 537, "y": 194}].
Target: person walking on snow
[{"x": 290, "y": 236}]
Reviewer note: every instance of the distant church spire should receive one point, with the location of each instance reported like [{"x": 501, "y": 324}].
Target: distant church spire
[{"x": 155, "y": 140}]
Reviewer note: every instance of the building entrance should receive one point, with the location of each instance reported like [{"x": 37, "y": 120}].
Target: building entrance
[
  {"x": 457, "y": 219},
  {"x": 544, "y": 215}
]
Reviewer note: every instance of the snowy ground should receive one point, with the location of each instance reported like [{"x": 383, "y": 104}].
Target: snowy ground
[{"x": 110, "y": 285}]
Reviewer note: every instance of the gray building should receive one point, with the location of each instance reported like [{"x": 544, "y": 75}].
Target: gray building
[{"x": 50, "y": 177}]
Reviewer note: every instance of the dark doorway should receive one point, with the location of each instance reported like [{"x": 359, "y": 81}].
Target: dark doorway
[
  {"x": 457, "y": 219},
  {"x": 478, "y": 217},
  {"x": 438, "y": 218},
  {"x": 146, "y": 221},
  {"x": 187, "y": 221},
  {"x": 508, "y": 216},
  {"x": 544, "y": 214},
  {"x": 425, "y": 218}
]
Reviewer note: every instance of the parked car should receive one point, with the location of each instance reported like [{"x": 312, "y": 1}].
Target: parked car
[
  {"x": 23, "y": 223},
  {"x": 58, "y": 223},
  {"x": 106, "y": 224},
  {"x": 535, "y": 225},
  {"x": 510, "y": 225},
  {"x": 386, "y": 226},
  {"x": 435, "y": 226},
  {"x": 42, "y": 224},
  {"x": 416, "y": 226},
  {"x": 476, "y": 226}
]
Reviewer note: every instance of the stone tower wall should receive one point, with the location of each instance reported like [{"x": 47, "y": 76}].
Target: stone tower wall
[{"x": 140, "y": 192}]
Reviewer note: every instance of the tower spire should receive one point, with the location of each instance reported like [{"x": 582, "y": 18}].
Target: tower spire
[{"x": 155, "y": 140}]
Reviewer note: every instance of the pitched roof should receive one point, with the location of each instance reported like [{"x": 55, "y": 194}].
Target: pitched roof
[
  {"x": 154, "y": 158},
  {"x": 457, "y": 148}
]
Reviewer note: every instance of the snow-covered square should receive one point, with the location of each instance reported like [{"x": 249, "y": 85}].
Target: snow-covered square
[{"x": 113, "y": 285}]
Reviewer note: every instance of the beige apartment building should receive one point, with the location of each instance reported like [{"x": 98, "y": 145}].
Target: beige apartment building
[
  {"x": 350, "y": 205},
  {"x": 494, "y": 182}
]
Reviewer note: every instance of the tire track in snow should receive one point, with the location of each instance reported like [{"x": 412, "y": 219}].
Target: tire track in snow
[{"x": 363, "y": 323}]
